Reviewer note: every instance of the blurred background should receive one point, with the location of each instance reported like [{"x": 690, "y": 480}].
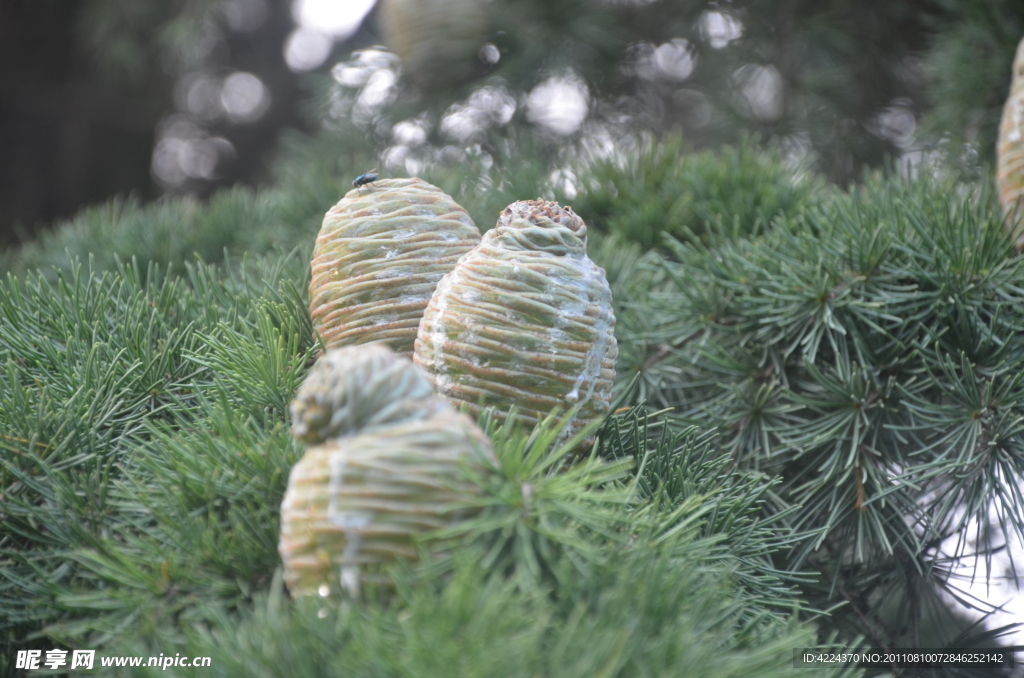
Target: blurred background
[{"x": 149, "y": 98}]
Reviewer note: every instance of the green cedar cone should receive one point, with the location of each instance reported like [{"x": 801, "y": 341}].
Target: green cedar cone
[
  {"x": 380, "y": 253},
  {"x": 386, "y": 466},
  {"x": 525, "y": 320}
]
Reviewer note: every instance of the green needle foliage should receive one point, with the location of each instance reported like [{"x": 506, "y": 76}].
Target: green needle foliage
[
  {"x": 170, "y": 233},
  {"x": 661, "y": 189},
  {"x": 98, "y": 366},
  {"x": 869, "y": 355},
  {"x": 641, "y": 614},
  {"x": 558, "y": 576},
  {"x": 146, "y": 452},
  {"x": 969, "y": 68},
  {"x": 539, "y": 508},
  {"x": 835, "y": 378}
]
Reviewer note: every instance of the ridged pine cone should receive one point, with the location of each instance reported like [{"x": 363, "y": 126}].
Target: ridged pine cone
[
  {"x": 385, "y": 465},
  {"x": 1010, "y": 152},
  {"x": 379, "y": 256},
  {"x": 525, "y": 320}
]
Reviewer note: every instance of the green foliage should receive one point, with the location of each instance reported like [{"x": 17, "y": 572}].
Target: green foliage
[
  {"x": 969, "y": 71},
  {"x": 312, "y": 174},
  {"x": 662, "y": 189},
  {"x": 168, "y": 233},
  {"x": 146, "y": 455},
  {"x": 109, "y": 377},
  {"x": 485, "y": 195},
  {"x": 657, "y": 187},
  {"x": 532, "y": 517},
  {"x": 176, "y": 230},
  {"x": 740, "y": 514},
  {"x": 664, "y": 570},
  {"x": 869, "y": 355},
  {"x": 640, "y": 614},
  {"x": 127, "y": 40}
]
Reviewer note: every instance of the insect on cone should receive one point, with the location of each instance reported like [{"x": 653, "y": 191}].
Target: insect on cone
[
  {"x": 364, "y": 179},
  {"x": 379, "y": 256}
]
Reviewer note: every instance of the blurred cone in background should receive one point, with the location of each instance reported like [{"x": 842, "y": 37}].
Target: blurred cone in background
[
  {"x": 1010, "y": 151},
  {"x": 437, "y": 40}
]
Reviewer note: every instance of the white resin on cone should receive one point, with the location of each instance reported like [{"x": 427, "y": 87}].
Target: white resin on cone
[
  {"x": 378, "y": 258},
  {"x": 385, "y": 466},
  {"x": 524, "y": 320}
]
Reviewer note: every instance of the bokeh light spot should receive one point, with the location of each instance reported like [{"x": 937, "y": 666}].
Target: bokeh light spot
[
  {"x": 306, "y": 49},
  {"x": 760, "y": 91},
  {"x": 337, "y": 18},
  {"x": 490, "y": 54},
  {"x": 720, "y": 28},
  {"x": 559, "y": 104},
  {"x": 674, "y": 60},
  {"x": 244, "y": 96}
]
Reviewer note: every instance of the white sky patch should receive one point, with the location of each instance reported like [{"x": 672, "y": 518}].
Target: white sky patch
[
  {"x": 674, "y": 60},
  {"x": 490, "y": 54},
  {"x": 199, "y": 94},
  {"x": 337, "y": 18},
  {"x": 414, "y": 166},
  {"x": 896, "y": 123},
  {"x": 368, "y": 81},
  {"x": 996, "y": 587},
  {"x": 485, "y": 108},
  {"x": 460, "y": 123},
  {"x": 565, "y": 181},
  {"x": 306, "y": 49},
  {"x": 394, "y": 156},
  {"x": 378, "y": 92},
  {"x": 760, "y": 89},
  {"x": 239, "y": 97},
  {"x": 559, "y": 104},
  {"x": 321, "y": 23},
  {"x": 357, "y": 70},
  {"x": 720, "y": 28},
  {"x": 409, "y": 133}
]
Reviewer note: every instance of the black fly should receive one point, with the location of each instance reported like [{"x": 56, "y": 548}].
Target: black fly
[{"x": 364, "y": 179}]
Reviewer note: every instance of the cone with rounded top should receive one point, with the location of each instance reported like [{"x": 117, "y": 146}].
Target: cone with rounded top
[
  {"x": 1010, "y": 152},
  {"x": 438, "y": 41},
  {"x": 378, "y": 258},
  {"x": 525, "y": 320},
  {"x": 385, "y": 465}
]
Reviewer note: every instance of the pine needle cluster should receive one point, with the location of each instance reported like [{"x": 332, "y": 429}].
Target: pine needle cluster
[
  {"x": 146, "y": 452},
  {"x": 869, "y": 355}
]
